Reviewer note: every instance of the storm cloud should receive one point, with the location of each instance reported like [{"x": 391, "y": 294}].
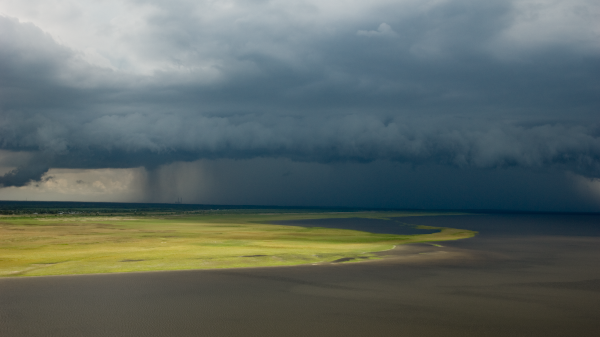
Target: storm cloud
[
  {"x": 23, "y": 175},
  {"x": 463, "y": 84}
]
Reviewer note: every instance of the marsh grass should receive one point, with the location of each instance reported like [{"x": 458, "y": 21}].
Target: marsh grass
[{"x": 35, "y": 246}]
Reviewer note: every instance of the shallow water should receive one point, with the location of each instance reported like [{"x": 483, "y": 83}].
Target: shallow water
[
  {"x": 397, "y": 226},
  {"x": 515, "y": 279},
  {"x": 532, "y": 224}
]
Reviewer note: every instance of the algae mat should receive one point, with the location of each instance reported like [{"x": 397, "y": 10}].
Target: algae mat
[{"x": 64, "y": 245}]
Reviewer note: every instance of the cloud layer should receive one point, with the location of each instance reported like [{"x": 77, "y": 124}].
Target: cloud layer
[{"x": 459, "y": 83}]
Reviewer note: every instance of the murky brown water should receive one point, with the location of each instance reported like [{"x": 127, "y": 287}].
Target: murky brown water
[{"x": 497, "y": 284}]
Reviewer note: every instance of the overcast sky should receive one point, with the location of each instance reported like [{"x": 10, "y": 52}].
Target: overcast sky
[{"x": 404, "y": 103}]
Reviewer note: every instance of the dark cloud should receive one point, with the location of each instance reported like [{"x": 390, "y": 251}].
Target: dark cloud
[
  {"x": 380, "y": 184},
  {"x": 23, "y": 175},
  {"x": 154, "y": 139},
  {"x": 449, "y": 84}
]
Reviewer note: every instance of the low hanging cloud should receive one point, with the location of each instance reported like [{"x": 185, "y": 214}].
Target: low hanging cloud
[
  {"x": 23, "y": 175},
  {"x": 150, "y": 140},
  {"x": 455, "y": 86}
]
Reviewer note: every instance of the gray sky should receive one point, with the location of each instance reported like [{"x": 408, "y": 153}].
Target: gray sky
[{"x": 432, "y": 104}]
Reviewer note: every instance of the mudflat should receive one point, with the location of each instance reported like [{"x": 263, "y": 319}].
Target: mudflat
[{"x": 525, "y": 280}]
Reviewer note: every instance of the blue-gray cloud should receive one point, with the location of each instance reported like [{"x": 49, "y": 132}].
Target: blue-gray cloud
[{"x": 446, "y": 83}]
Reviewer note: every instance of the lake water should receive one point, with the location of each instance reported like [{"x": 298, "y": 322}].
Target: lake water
[{"x": 524, "y": 275}]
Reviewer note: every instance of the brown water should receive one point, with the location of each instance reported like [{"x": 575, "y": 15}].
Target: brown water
[{"x": 497, "y": 284}]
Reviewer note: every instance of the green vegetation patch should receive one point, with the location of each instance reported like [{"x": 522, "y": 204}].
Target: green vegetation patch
[{"x": 51, "y": 245}]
